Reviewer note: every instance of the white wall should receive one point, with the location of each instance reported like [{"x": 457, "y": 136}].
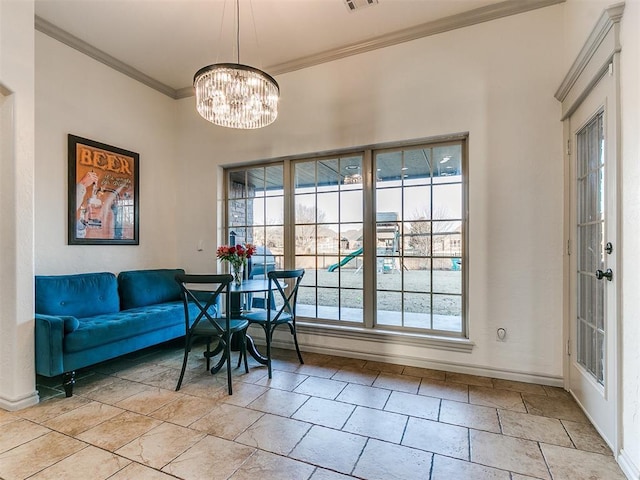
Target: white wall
[
  {"x": 75, "y": 94},
  {"x": 496, "y": 81},
  {"x": 17, "y": 371}
]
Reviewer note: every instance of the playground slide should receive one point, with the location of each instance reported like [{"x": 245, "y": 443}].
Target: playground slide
[{"x": 345, "y": 260}]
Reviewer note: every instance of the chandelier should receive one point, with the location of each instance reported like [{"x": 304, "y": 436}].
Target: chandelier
[{"x": 235, "y": 95}]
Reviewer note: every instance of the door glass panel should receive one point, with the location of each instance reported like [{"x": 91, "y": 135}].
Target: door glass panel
[{"x": 590, "y": 230}]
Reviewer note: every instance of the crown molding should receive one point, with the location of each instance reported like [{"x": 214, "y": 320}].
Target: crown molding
[
  {"x": 446, "y": 24},
  {"x": 593, "y": 59},
  {"x": 184, "y": 92},
  {"x": 453, "y": 22},
  {"x": 76, "y": 43}
]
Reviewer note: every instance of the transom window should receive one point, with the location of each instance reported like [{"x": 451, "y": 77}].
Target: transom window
[{"x": 380, "y": 232}]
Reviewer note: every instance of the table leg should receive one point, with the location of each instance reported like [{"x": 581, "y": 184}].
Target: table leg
[
  {"x": 251, "y": 348},
  {"x": 253, "y": 351},
  {"x": 236, "y": 304},
  {"x": 236, "y": 312},
  {"x": 216, "y": 368},
  {"x": 219, "y": 348}
]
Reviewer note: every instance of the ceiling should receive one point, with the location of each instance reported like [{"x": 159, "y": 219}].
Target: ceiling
[{"x": 164, "y": 42}]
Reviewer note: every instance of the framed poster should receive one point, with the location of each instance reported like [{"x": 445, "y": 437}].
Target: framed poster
[{"x": 103, "y": 194}]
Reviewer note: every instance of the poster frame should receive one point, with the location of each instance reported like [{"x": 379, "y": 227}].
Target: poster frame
[{"x": 115, "y": 175}]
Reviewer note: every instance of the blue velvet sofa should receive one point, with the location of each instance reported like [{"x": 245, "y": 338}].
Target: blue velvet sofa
[{"x": 84, "y": 319}]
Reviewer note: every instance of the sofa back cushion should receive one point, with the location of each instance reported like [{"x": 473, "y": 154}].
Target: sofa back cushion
[
  {"x": 139, "y": 288},
  {"x": 80, "y": 295}
]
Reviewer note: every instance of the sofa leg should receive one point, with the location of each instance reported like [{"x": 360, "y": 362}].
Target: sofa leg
[{"x": 68, "y": 381}]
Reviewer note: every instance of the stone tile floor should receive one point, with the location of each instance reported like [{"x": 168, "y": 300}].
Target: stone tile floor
[{"x": 332, "y": 418}]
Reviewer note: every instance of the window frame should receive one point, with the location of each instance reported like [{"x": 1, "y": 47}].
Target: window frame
[{"x": 369, "y": 323}]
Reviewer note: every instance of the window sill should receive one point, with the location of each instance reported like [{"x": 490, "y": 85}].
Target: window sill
[{"x": 452, "y": 344}]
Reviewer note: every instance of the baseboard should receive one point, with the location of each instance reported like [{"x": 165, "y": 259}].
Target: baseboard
[
  {"x": 285, "y": 342},
  {"x": 13, "y": 404},
  {"x": 631, "y": 470}
]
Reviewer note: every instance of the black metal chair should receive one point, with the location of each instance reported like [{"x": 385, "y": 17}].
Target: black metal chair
[
  {"x": 203, "y": 318},
  {"x": 261, "y": 263},
  {"x": 281, "y": 309}
]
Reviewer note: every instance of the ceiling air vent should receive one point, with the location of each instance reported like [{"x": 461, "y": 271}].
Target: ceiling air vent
[{"x": 353, "y": 5}]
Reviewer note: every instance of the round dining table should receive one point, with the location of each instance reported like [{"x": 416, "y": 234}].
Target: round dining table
[{"x": 239, "y": 307}]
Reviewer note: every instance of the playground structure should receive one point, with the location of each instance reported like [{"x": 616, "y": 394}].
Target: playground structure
[
  {"x": 388, "y": 242},
  {"x": 345, "y": 260},
  {"x": 388, "y": 245}
]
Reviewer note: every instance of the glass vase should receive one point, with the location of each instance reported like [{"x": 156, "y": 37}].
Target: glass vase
[{"x": 238, "y": 272}]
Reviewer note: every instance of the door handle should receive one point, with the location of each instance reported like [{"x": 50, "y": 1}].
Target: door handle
[{"x": 608, "y": 274}]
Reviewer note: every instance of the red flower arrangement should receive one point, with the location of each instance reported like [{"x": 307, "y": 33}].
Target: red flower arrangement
[{"x": 236, "y": 255}]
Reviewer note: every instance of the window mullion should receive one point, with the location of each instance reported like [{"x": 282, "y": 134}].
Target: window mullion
[
  {"x": 431, "y": 214},
  {"x": 369, "y": 242},
  {"x": 288, "y": 215}
]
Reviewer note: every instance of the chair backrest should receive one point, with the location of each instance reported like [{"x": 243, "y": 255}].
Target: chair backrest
[
  {"x": 288, "y": 294},
  {"x": 261, "y": 262},
  {"x": 203, "y": 302}
]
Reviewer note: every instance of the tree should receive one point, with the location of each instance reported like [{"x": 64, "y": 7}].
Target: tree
[
  {"x": 421, "y": 228},
  {"x": 305, "y": 221}
]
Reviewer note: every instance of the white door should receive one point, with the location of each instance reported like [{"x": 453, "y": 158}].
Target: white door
[{"x": 593, "y": 375}]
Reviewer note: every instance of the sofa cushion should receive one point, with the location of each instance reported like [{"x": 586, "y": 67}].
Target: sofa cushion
[
  {"x": 79, "y": 295},
  {"x": 104, "y": 329},
  {"x": 139, "y": 288}
]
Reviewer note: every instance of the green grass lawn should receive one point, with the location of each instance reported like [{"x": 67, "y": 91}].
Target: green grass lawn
[{"x": 430, "y": 296}]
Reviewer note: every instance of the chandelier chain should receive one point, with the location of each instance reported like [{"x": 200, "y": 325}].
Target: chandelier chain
[
  {"x": 238, "y": 28},
  {"x": 220, "y": 30}
]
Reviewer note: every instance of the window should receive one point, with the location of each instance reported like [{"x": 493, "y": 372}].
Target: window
[
  {"x": 380, "y": 233},
  {"x": 255, "y": 214},
  {"x": 419, "y": 218},
  {"x": 328, "y": 223}
]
